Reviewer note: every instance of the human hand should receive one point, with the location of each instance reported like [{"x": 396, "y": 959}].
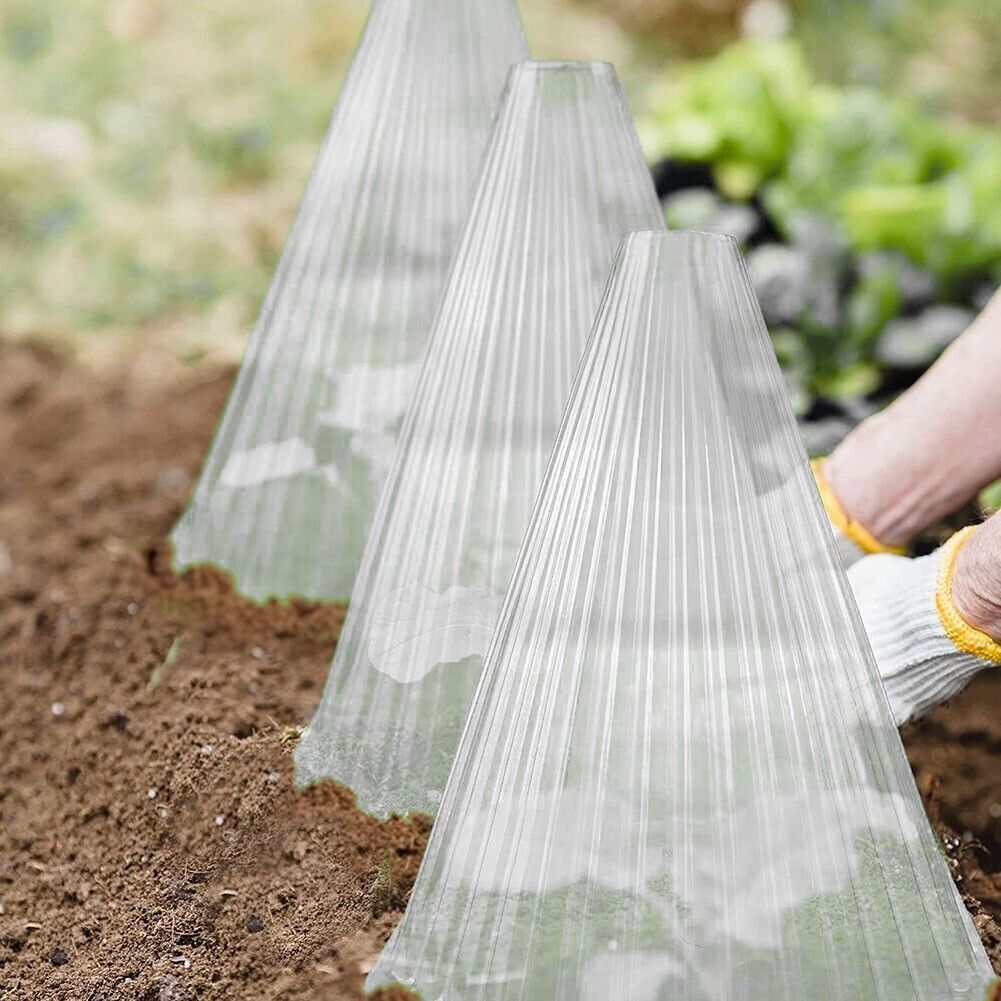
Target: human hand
[
  {"x": 930, "y": 452},
  {"x": 854, "y": 540},
  {"x": 927, "y": 618}
]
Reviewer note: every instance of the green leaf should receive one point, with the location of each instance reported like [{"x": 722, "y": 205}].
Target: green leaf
[
  {"x": 850, "y": 382},
  {"x": 990, "y": 497}
]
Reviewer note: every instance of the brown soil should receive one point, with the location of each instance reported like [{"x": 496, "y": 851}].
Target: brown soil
[{"x": 151, "y": 843}]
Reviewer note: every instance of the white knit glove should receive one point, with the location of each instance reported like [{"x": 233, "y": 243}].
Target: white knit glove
[
  {"x": 926, "y": 652},
  {"x": 853, "y": 539}
]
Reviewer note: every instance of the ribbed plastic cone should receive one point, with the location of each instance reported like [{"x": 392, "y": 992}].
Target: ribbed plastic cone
[
  {"x": 680, "y": 778},
  {"x": 563, "y": 180},
  {"x": 286, "y": 495}
]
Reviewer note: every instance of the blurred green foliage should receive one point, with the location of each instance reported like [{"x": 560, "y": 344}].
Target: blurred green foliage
[
  {"x": 886, "y": 216},
  {"x": 990, "y": 497},
  {"x": 944, "y": 53},
  {"x": 887, "y": 174},
  {"x": 154, "y": 155},
  {"x": 740, "y": 111}
]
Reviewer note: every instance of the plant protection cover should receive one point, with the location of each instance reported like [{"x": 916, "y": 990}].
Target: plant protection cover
[
  {"x": 680, "y": 778},
  {"x": 563, "y": 180},
  {"x": 287, "y": 493}
]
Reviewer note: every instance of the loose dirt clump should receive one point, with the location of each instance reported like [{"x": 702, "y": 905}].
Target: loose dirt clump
[{"x": 152, "y": 846}]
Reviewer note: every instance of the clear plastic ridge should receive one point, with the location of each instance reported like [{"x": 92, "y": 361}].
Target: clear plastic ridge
[{"x": 563, "y": 180}]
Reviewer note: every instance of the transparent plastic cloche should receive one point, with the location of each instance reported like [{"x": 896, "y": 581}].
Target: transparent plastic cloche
[
  {"x": 287, "y": 493},
  {"x": 563, "y": 180},
  {"x": 680, "y": 777}
]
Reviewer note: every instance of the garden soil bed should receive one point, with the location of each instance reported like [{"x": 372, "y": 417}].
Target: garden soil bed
[{"x": 151, "y": 843}]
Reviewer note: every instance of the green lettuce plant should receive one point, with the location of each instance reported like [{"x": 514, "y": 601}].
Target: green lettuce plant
[
  {"x": 885, "y": 210},
  {"x": 740, "y": 112}
]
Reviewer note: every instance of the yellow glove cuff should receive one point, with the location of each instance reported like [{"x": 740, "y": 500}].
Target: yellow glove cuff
[
  {"x": 963, "y": 635},
  {"x": 851, "y": 529}
]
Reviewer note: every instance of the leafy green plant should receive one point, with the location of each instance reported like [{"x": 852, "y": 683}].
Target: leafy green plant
[
  {"x": 990, "y": 497},
  {"x": 885, "y": 210},
  {"x": 739, "y": 111},
  {"x": 885, "y": 173}
]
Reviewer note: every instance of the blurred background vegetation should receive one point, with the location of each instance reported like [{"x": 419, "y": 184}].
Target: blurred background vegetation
[{"x": 154, "y": 155}]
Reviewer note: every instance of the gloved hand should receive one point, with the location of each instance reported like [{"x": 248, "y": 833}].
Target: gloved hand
[
  {"x": 854, "y": 539},
  {"x": 925, "y": 650}
]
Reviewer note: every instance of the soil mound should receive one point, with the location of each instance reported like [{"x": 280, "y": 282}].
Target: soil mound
[{"x": 151, "y": 843}]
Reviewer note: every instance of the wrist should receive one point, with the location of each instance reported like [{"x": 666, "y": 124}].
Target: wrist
[
  {"x": 847, "y": 526},
  {"x": 965, "y": 597},
  {"x": 976, "y": 581},
  {"x": 889, "y": 483}
]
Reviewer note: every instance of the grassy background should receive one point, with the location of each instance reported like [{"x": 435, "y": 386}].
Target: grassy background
[{"x": 154, "y": 153}]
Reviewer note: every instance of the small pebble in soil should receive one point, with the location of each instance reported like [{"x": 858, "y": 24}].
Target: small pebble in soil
[
  {"x": 207, "y": 749},
  {"x": 88, "y": 494},
  {"x": 151, "y": 793},
  {"x": 220, "y": 820},
  {"x": 254, "y": 924},
  {"x": 132, "y": 608},
  {"x": 257, "y": 653},
  {"x": 171, "y": 479},
  {"x": 58, "y": 708},
  {"x": 995, "y": 810},
  {"x": 59, "y": 957}
]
